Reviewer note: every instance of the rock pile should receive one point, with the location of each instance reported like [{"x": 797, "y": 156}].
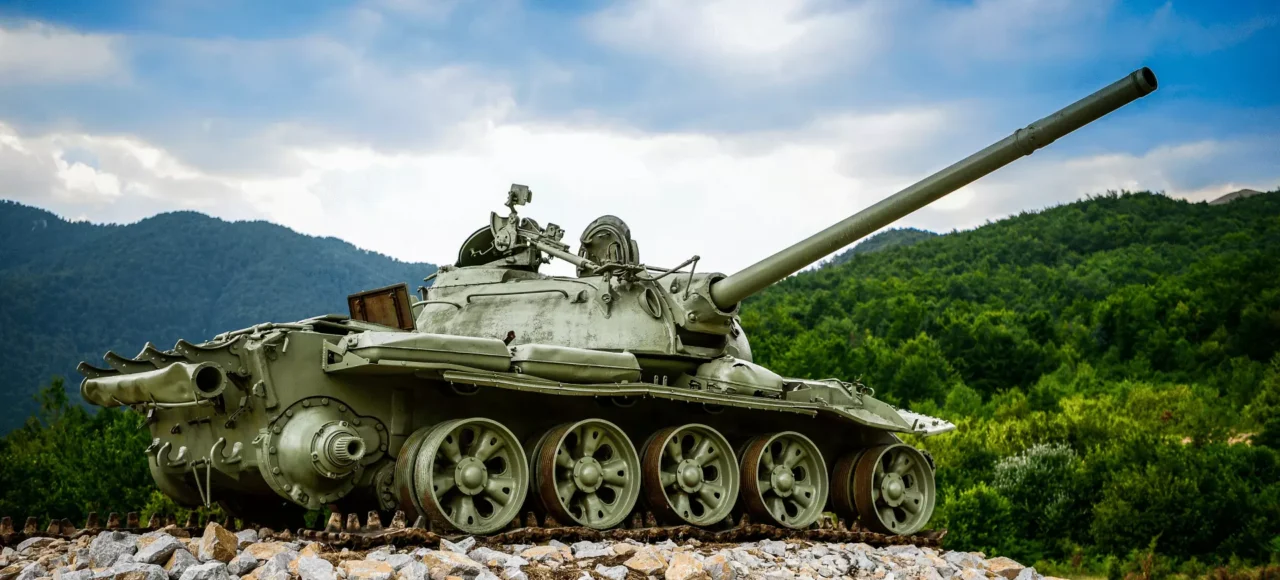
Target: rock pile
[{"x": 221, "y": 555}]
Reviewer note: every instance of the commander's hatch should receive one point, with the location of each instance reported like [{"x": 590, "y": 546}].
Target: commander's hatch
[{"x": 387, "y": 306}]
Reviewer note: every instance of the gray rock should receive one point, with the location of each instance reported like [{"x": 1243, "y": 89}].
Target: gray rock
[
  {"x": 612, "y": 572},
  {"x": 134, "y": 570},
  {"x": 491, "y": 557},
  {"x": 246, "y": 537},
  {"x": 85, "y": 574},
  {"x": 242, "y": 564},
  {"x": 209, "y": 571},
  {"x": 904, "y": 550},
  {"x": 962, "y": 559},
  {"x": 312, "y": 568},
  {"x": 592, "y": 550},
  {"x": 107, "y": 548},
  {"x": 277, "y": 563},
  {"x": 1028, "y": 574},
  {"x": 461, "y": 546},
  {"x": 25, "y": 546},
  {"x": 861, "y": 562},
  {"x": 558, "y": 544},
  {"x": 179, "y": 562},
  {"x": 398, "y": 561},
  {"x": 774, "y": 547},
  {"x": 31, "y": 572},
  {"x": 412, "y": 571},
  {"x": 514, "y": 573},
  {"x": 161, "y": 546}
]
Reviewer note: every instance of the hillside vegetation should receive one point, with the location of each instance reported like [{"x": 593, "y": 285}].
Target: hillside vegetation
[
  {"x": 73, "y": 290},
  {"x": 1100, "y": 359},
  {"x": 1112, "y": 366}
]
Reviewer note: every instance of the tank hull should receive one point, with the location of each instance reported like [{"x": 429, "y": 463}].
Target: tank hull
[{"x": 255, "y": 442}]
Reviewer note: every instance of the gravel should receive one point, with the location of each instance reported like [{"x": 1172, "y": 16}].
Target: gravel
[{"x": 245, "y": 556}]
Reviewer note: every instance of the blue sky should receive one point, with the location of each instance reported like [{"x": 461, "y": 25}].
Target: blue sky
[{"x": 727, "y": 129}]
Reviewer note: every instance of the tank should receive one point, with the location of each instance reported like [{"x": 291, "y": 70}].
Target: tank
[{"x": 498, "y": 390}]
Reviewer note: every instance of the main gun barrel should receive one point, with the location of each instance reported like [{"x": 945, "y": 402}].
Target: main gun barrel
[{"x": 756, "y": 277}]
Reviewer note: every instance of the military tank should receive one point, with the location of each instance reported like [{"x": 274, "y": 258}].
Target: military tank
[{"x": 499, "y": 389}]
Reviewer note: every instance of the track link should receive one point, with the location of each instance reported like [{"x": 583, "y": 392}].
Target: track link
[{"x": 348, "y": 532}]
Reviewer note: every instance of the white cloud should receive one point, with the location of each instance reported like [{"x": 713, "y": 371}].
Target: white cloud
[
  {"x": 752, "y": 39},
  {"x": 730, "y": 199},
  {"x": 35, "y": 53}
]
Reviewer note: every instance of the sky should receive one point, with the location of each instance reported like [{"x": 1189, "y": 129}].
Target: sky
[{"x": 723, "y": 129}]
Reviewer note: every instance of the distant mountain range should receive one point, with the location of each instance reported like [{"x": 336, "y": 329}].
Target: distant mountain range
[{"x": 73, "y": 290}]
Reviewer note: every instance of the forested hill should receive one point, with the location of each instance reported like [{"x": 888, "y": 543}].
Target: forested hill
[
  {"x": 1137, "y": 285},
  {"x": 892, "y": 238},
  {"x": 73, "y": 290},
  {"x": 1111, "y": 366}
]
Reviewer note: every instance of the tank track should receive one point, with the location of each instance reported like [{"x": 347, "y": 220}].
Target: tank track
[{"x": 348, "y": 532}]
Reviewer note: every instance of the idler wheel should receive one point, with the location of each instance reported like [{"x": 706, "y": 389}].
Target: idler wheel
[
  {"x": 587, "y": 472},
  {"x": 784, "y": 479},
  {"x": 466, "y": 474},
  {"x": 690, "y": 475},
  {"x": 893, "y": 489}
]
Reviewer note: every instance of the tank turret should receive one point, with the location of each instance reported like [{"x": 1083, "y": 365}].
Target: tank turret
[{"x": 587, "y": 399}]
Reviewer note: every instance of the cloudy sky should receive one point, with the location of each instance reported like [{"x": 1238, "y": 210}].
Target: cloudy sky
[{"x": 723, "y": 128}]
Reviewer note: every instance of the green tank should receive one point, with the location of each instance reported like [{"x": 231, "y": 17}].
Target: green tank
[{"x": 500, "y": 390}]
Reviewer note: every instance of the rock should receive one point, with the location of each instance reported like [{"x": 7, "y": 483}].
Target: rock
[
  {"x": 646, "y": 561},
  {"x": 624, "y": 549},
  {"x": 367, "y": 570},
  {"x": 217, "y": 544},
  {"x": 491, "y": 557},
  {"x": 207, "y": 571},
  {"x": 10, "y": 572},
  {"x": 970, "y": 574},
  {"x": 684, "y": 566},
  {"x": 514, "y": 573},
  {"x": 242, "y": 564},
  {"x": 246, "y": 537},
  {"x": 412, "y": 571},
  {"x": 1002, "y": 566},
  {"x": 312, "y": 568},
  {"x": 398, "y": 561},
  {"x": 544, "y": 553},
  {"x": 175, "y": 531},
  {"x": 903, "y": 550},
  {"x": 461, "y": 546},
  {"x": 717, "y": 567},
  {"x": 130, "y": 571},
  {"x": 591, "y": 550},
  {"x": 29, "y": 544},
  {"x": 774, "y": 548},
  {"x": 107, "y": 547},
  {"x": 156, "y": 549},
  {"x": 442, "y": 563},
  {"x": 73, "y": 575},
  {"x": 178, "y": 563},
  {"x": 612, "y": 572},
  {"x": 31, "y": 572},
  {"x": 1028, "y": 574},
  {"x": 962, "y": 559},
  {"x": 265, "y": 550}
]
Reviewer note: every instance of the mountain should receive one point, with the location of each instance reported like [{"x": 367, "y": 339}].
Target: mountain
[
  {"x": 892, "y": 238},
  {"x": 74, "y": 290}
]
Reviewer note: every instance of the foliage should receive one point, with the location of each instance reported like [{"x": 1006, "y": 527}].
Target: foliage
[
  {"x": 66, "y": 462},
  {"x": 1113, "y": 367}
]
